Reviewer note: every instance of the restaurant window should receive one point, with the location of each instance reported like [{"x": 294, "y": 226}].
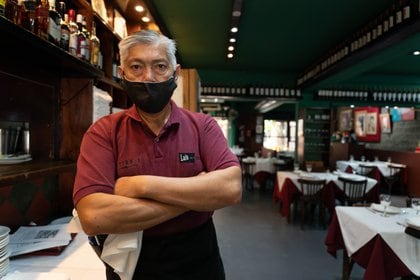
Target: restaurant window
[
  {"x": 279, "y": 135},
  {"x": 224, "y": 125}
]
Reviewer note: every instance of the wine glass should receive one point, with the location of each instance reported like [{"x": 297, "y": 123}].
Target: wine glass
[
  {"x": 385, "y": 202},
  {"x": 415, "y": 204},
  {"x": 309, "y": 167}
]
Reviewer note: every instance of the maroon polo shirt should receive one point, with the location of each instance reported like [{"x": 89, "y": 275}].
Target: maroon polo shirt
[{"x": 121, "y": 144}]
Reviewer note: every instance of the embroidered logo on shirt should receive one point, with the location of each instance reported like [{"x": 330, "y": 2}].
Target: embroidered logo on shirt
[{"x": 186, "y": 157}]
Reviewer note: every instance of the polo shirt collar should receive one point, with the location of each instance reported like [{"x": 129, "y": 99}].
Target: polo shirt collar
[{"x": 174, "y": 118}]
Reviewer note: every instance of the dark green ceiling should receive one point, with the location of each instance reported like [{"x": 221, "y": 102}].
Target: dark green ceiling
[{"x": 278, "y": 40}]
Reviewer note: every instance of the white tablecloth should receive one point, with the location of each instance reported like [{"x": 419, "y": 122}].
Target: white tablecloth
[
  {"x": 359, "y": 225},
  {"x": 294, "y": 176},
  {"x": 354, "y": 164},
  {"x": 264, "y": 164},
  {"x": 78, "y": 261}
]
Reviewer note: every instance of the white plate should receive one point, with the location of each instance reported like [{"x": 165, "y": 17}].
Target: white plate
[
  {"x": 414, "y": 222},
  {"x": 15, "y": 159},
  {"x": 4, "y": 231},
  {"x": 389, "y": 210}
]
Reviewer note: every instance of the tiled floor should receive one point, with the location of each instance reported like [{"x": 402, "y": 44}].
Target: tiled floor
[{"x": 257, "y": 243}]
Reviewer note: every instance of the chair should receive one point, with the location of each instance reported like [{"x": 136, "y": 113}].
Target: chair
[
  {"x": 395, "y": 177},
  {"x": 311, "y": 196},
  {"x": 354, "y": 191},
  {"x": 365, "y": 170},
  {"x": 247, "y": 174}
]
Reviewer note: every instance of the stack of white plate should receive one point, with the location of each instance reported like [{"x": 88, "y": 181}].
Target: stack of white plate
[{"x": 4, "y": 252}]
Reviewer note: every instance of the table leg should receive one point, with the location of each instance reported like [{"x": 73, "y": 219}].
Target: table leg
[{"x": 347, "y": 265}]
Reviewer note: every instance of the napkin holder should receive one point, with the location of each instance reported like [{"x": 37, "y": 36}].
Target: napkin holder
[{"x": 413, "y": 232}]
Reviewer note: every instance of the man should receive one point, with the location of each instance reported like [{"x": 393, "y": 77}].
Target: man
[{"x": 157, "y": 168}]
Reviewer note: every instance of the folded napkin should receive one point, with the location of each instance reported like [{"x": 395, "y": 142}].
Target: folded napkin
[
  {"x": 412, "y": 231},
  {"x": 120, "y": 251}
]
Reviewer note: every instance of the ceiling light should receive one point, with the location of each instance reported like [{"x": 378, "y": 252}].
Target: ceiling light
[
  {"x": 230, "y": 55},
  {"x": 232, "y": 40},
  {"x": 231, "y": 48},
  {"x": 234, "y": 29},
  {"x": 416, "y": 53},
  {"x": 145, "y": 19},
  {"x": 139, "y": 8}
]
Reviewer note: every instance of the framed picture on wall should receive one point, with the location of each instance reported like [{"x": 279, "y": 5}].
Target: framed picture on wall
[
  {"x": 366, "y": 124},
  {"x": 385, "y": 121},
  {"x": 345, "y": 120},
  {"x": 360, "y": 123}
]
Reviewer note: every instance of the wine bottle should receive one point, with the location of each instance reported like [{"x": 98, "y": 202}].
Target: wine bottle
[
  {"x": 27, "y": 14},
  {"x": 41, "y": 21},
  {"x": 11, "y": 10},
  {"x": 54, "y": 24},
  {"x": 64, "y": 26},
  {"x": 73, "y": 40},
  {"x": 94, "y": 47}
]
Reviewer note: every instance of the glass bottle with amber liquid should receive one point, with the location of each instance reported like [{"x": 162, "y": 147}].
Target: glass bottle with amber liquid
[
  {"x": 54, "y": 24},
  {"x": 11, "y": 10},
  {"x": 41, "y": 22},
  {"x": 94, "y": 47},
  {"x": 27, "y": 14}
]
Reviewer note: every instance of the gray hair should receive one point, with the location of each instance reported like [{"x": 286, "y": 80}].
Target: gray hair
[{"x": 148, "y": 37}]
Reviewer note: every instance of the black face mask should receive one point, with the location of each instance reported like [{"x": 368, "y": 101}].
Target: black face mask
[{"x": 150, "y": 97}]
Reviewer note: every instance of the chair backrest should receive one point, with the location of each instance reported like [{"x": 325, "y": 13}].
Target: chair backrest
[
  {"x": 395, "y": 170},
  {"x": 354, "y": 190},
  {"x": 311, "y": 187},
  {"x": 365, "y": 169}
]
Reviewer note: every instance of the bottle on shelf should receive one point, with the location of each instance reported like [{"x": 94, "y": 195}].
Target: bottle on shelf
[
  {"x": 86, "y": 45},
  {"x": 2, "y": 7},
  {"x": 41, "y": 21},
  {"x": 54, "y": 24},
  {"x": 64, "y": 27},
  {"x": 94, "y": 47},
  {"x": 11, "y": 10},
  {"x": 81, "y": 38},
  {"x": 27, "y": 14},
  {"x": 74, "y": 30}
]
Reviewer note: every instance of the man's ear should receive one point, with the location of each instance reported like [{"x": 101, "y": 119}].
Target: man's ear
[
  {"x": 120, "y": 72},
  {"x": 177, "y": 71}
]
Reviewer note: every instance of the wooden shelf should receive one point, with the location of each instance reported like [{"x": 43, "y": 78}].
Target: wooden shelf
[
  {"x": 34, "y": 50},
  {"x": 10, "y": 174}
]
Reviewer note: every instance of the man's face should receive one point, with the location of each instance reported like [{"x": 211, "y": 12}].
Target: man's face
[{"x": 146, "y": 63}]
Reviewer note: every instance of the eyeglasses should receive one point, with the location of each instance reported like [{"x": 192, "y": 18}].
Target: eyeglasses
[{"x": 139, "y": 71}]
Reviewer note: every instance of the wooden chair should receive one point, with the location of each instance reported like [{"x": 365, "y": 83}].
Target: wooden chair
[
  {"x": 311, "y": 196},
  {"x": 365, "y": 170},
  {"x": 354, "y": 191},
  {"x": 395, "y": 177}
]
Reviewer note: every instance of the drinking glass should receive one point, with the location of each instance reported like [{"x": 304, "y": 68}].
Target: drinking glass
[
  {"x": 309, "y": 167},
  {"x": 415, "y": 204},
  {"x": 385, "y": 202},
  {"x": 363, "y": 158}
]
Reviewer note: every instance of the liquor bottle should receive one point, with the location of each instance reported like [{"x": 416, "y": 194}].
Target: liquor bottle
[
  {"x": 406, "y": 10},
  {"x": 27, "y": 14},
  {"x": 11, "y": 10},
  {"x": 41, "y": 21},
  {"x": 64, "y": 26},
  {"x": 86, "y": 46},
  {"x": 94, "y": 47},
  {"x": 399, "y": 13},
  {"x": 54, "y": 24},
  {"x": 81, "y": 39},
  {"x": 2, "y": 7},
  {"x": 73, "y": 40}
]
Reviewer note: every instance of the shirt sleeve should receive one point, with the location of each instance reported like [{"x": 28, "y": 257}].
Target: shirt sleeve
[{"x": 96, "y": 166}]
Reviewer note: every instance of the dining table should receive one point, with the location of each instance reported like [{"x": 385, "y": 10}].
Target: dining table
[
  {"x": 377, "y": 242},
  {"x": 379, "y": 168},
  {"x": 265, "y": 164},
  {"x": 287, "y": 188}
]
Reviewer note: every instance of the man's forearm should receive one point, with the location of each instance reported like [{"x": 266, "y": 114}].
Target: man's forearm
[{"x": 206, "y": 192}]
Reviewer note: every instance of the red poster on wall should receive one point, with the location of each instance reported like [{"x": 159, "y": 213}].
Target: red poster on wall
[{"x": 366, "y": 124}]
